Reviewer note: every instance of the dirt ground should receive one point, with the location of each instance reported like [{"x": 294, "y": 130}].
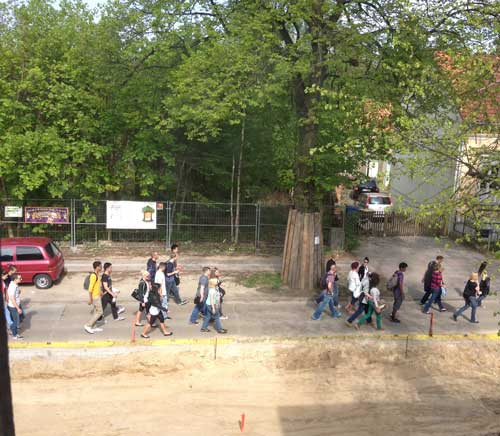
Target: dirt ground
[{"x": 360, "y": 387}]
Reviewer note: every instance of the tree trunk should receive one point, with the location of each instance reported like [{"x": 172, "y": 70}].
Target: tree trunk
[
  {"x": 6, "y": 411},
  {"x": 238, "y": 185},
  {"x": 302, "y": 254},
  {"x": 232, "y": 200}
]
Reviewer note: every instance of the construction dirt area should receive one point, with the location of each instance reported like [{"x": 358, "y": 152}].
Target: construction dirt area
[{"x": 342, "y": 386}]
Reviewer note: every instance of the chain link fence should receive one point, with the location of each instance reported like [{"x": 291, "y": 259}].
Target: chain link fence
[{"x": 260, "y": 226}]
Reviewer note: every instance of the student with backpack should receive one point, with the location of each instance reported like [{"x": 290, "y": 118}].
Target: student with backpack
[
  {"x": 328, "y": 296},
  {"x": 155, "y": 312},
  {"x": 92, "y": 284},
  {"x": 471, "y": 294},
  {"x": 436, "y": 288},
  {"x": 397, "y": 286},
  {"x": 426, "y": 280},
  {"x": 141, "y": 294}
]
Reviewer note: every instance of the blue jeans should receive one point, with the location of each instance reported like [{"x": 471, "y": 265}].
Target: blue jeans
[
  {"x": 16, "y": 320},
  {"x": 211, "y": 315},
  {"x": 470, "y": 302},
  {"x": 328, "y": 300},
  {"x": 480, "y": 299},
  {"x": 197, "y": 309},
  {"x": 360, "y": 310},
  {"x": 171, "y": 288},
  {"x": 8, "y": 318},
  {"x": 164, "y": 305},
  {"x": 435, "y": 297}
]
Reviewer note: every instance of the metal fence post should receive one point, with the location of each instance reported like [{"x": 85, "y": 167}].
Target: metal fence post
[
  {"x": 73, "y": 223},
  {"x": 169, "y": 225},
  {"x": 257, "y": 226}
]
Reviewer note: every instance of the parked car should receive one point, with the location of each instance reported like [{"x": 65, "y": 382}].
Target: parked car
[
  {"x": 38, "y": 260},
  {"x": 369, "y": 186},
  {"x": 379, "y": 203}
]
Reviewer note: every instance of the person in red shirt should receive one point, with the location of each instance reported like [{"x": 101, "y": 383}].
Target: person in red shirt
[{"x": 436, "y": 285}]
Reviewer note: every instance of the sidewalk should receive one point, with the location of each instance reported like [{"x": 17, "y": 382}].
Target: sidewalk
[{"x": 247, "y": 319}]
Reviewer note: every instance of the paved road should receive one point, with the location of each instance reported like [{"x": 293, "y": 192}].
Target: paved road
[
  {"x": 247, "y": 318},
  {"x": 59, "y": 314}
]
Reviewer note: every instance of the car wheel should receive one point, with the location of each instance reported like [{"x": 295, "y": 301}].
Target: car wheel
[{"x": 43, "y": 281}]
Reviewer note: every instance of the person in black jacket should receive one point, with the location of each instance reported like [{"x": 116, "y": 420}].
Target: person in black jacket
[
  {"x": 484, "y": 283},
  {"x": 144, "y": 287},
  {"x": 363, "y": 269},
  {"x": 330, "y": 262},
  {"x": 471, "y": 293},
  {"x": 155, "y": 312}
]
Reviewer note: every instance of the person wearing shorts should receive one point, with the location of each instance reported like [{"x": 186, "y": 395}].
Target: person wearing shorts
[{"x": 155, "y": 313}]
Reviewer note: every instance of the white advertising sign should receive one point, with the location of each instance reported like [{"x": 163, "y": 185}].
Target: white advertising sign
[
  {"x": 13, "y": 212},
  {"x": 131, "y": 215}
]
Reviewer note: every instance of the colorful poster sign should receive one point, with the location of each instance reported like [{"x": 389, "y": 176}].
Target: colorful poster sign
[
  {"x": 13, "y": 212},
  {"x": 131, "y": 215},
  {"x": 46, "y": 215}
]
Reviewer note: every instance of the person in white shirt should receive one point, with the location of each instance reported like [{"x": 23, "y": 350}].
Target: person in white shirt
[
  {"x": 354, "y": 286},
  {"x": 14, "y": 305},
  {"x": 160, "y": 280},
  {"x": 374, "y": 303}
]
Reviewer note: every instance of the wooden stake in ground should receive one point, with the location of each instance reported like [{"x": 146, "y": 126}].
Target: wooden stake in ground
[{"x": 6, "y": 412}]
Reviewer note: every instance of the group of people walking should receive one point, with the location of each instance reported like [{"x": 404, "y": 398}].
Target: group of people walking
[
  {"x": 158, "y": 284},
  {"x": 364, "y": 297}
]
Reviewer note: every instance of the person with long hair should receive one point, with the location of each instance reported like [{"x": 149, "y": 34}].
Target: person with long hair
[
  {"x": 436, "y": 288},
  {"x": 354, "y": 286},
  {"x": 484, "y": 283},
  {"x": 471, "y": 294},
  {"x": 144, "y": 288}
]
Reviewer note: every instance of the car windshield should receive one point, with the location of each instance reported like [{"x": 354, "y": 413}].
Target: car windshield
[
  {"x": 380, "y": 200},
  {"x": 52, "y": 250}
]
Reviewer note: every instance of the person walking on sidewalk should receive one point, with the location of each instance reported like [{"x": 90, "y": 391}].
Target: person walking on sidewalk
[
  {"x": 109, "y": 296},
  {"x": 200, "y": 297},
  {"x": 426, "y": 280},
  {"x": 222, "y": 292},
  {"x": 374, "y": 304},
  {"x": 95, "y": 296},
  {"x": 398, "y": 291},
  {"x": 14, "y": 305},
  {"x": 213, "y": 300},
  {"x": 144, "y": 287},
  {"x": 328, "y": 296},
  {"x": 5, "y": 297},
  {"x": 170, "y": 284},
  {"x": 354, "y": 286},
  {"x": 152, "y": 264},
  {"x": 484, "y": 283},
  {"x": 362, "y": 301},
  {"x": 155, "y": 312},
  {"x": 471, "y": 295},
  {"x": 436, "y": 285},
  {"x": 160, "y": 281},
  {"x": 363, "y": 269}
]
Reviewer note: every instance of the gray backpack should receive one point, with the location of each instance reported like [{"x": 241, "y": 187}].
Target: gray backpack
[
  {"x": 392, "y": 282},
  {"x": 86, "y": 282}
]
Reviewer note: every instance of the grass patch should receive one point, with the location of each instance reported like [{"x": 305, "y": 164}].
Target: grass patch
[{"x": 262, "y": 280}]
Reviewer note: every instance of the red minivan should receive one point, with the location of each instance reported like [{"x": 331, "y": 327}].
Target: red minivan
[{"x": 38, "y": 260}]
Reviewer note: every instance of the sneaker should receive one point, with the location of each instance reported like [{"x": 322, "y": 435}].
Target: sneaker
[
  {"x": 443, "y": 310},
  {"x": 168, "y": 317},
  {"x": 121, "y": 310},
  {"x": 120, "y": 318},
  {"x": 314, "y": 319},
  {"x": 168, "y": 334},
  {"x": 338, "y": 315},
  {"x": 144, "y": 336},
  {"x": 222, "y": 331},
  {"x": 96, "y": 329},
  {"x": 397, "y": 321},
  {"x": 223, "y": 317},
  {"x": 427, "y": 313},
  {"x": 475, "y": 322},
  {"x": 348, "y": 324},
  {"x": 88, "y": 329},
  {"x": 205, "y": 330},
  {"x": 102, "y": 321},
  {"x": 17, "y": 337},
  {"x": 183, "y": 302},
  {"x": 194, "y": 322}
]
